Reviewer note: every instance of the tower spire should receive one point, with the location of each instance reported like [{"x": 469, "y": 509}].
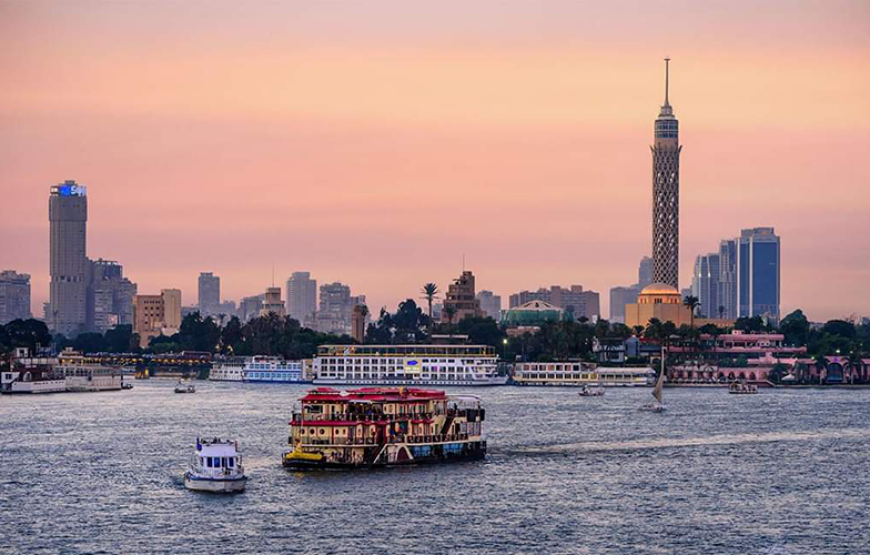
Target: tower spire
[{"x": 667, "y": 76}]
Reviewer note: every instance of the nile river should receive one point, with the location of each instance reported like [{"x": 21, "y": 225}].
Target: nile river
[{"x": 781, "y": 472}]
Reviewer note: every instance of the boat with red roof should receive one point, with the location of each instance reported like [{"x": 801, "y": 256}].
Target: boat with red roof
[{"x": 377, "y": 426}]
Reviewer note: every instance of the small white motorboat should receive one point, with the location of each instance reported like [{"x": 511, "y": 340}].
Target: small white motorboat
[
  {"x": 183, "y": 387},
  {"x": 587, "y": 391},
  {"x": 216, "y": 467}
]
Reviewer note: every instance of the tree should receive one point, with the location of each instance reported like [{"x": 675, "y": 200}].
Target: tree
[
  {"x": 777, "y": 372},
  {"x": 750, "y": 325},
  {"x": 821, "y": 364},
  {"x": 638, "y": 331},
  {"x": 796, "y": 328},
  {"x": 232, "y": 336},
  {"x": 28, "y": 333},
  {"x": 430, "y": 290},
  {"x": 121, "y": 339},
  {"x": 653, "y": 329},
  {"x": 450, "y": 312},
  {"x": 692, "y": 303},
  {"x": 482, "y": 331}
]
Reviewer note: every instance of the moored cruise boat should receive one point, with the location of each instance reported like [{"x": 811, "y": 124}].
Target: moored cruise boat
[
  {"x": 257, "y": 369},
  {"x": 82, "y": 374},
  {"x": 465, "y": 365},
  {"x": 575, "y": 373},
  {"x": 31, "y": 375},
  {"x": 374, "y": 426}
]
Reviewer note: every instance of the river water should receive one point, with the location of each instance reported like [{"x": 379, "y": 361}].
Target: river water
[{"x": 781, "y": 472}]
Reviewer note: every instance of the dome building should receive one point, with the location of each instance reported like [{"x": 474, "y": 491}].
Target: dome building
[
  {"x": 529, "y": 317},
  {"x": 658, "y": 300}
]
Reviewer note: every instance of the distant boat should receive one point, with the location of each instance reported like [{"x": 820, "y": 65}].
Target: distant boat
[
  {"x": 737, "y": 388},
  {"x": 658, "y": 406},
  {"x": 587, "y": 391},
  {"x": 182, "y": 387}
]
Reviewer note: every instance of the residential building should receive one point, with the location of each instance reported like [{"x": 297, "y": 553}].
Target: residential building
[
  {"x": 573, "y": 300},
  {"x": 758, "y": 273},
  {"x": 110, "y": 296},
  {"x": 69, "y": 266},
  {"x": 705, "y": 285},
  {"x": 272, "y": 303},
  {"x": 490, "y": 304},
  {"x": 250, "y": 307},
  {"x": 153, "y": 315},
  {"x": 208, "y": 293},
  {"x": 619, "y": 297},
  {"x": 460, "y": 301},
  {"x": 14, "y": 296},
  {"x": 336, "y": 308},
  {"x": 302, "y": 297},
  {"x": 666, "y": 195}
]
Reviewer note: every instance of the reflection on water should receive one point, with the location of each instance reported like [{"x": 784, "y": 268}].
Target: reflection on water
[{"x": 779, "y": 472}]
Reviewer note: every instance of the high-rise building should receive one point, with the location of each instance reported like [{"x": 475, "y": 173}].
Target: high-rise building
[
  {"x": 250, "y": 307},
  {"x": 272, "y": 303},
  {"x": 14, "y": 296},
  {"x": 461, "y": 301},
  {"x": 573, "y": 300},
  {"x": 155, "y": 315},
  {"x": 705, "y": 284},
  {"x": 208, "y": 293},
  {"x": 302, "y": 297},
  {"x": 110, "y": 296},
  {"x": 619, "y": 297},
  {"x": 68, "y": 265},
  {"x": 336, "y": 307},
  {"x": 644, "y": 272},
  {"x": 727, "y": 279},
  {"x": 758, "y": 273},
  {"x": 666, "y": 195},
  {"x": 490, "y": 304}
]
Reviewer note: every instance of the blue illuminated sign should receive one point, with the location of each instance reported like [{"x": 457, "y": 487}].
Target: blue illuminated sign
[
  {"x": 412, "y": 363},
  {"x": 69, "y": 190}
]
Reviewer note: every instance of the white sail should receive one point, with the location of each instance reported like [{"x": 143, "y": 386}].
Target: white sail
[{"x": 657, "y": 391}]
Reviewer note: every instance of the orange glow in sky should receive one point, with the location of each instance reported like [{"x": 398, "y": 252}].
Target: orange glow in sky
[{"x": 375, "y": 143}]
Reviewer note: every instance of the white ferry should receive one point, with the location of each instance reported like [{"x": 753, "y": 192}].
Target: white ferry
[
  {"x": 31, "y": 375},
  {"x": 407, "y": 365},
  {"x": 580, "y": 374},
  {"x": 257, "y": 369},
  {"x": 216, "y": 467},
  {"x": 82, "y": 374}
]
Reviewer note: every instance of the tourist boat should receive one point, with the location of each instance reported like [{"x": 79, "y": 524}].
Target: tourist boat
[
  {"x": 372, "y": 427},
  {"x": 407, "y": 365},
  {"x": 81, "y": 374},
  {"x": 31, "y": 375},
  {"x": 582, "y": 374},
  {"x": 737, "y": 388},
  {"x": 216, "y": 467},
  {"x": 185, "y": 387},
  {"x": 257, "y": 369},
  {"x": 587, "y": 391}
]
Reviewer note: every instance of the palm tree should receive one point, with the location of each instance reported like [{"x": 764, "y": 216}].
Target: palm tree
[
  {"x": 692, "y": 303},
  {"x": 821, "y": 364},
  {"x": 638, "y": 331},
  {"x": 450, "y": 312},
  {"x": 430, "y": 290},
  {"x": 854, "y": 364}
]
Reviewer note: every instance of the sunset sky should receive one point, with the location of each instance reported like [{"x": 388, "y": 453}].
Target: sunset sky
[{"x": 375, "y": 143}]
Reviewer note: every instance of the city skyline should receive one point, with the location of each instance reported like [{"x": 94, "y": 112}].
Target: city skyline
[{"x": 361, "y": 187}]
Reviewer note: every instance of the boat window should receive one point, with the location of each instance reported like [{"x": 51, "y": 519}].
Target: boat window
[
  {"x": 208, "y": 462},
  {"x": 230, "y": 462}
]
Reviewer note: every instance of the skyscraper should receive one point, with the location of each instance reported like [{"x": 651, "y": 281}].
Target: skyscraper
[
  {"x": 110, "y": 296},
  {"x": 705, "y": 284},
  {"x": 302, "y": 297},
  {"x": 209, "y": 293},
  {"x": 14, "y": 296},
  {"x": 490, "y": 304},
  {"x": 619, "y": 297},
  {"x": 728, "y": 278},
  {"x": 758, "y": 284},
  {"x": 69, "y": 266},
  {"x": 644, "y": 272},
  {"x": 666, "y": 195}
]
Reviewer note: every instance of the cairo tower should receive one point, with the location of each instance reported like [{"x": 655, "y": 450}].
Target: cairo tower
[{"x": 666, "y": 195}]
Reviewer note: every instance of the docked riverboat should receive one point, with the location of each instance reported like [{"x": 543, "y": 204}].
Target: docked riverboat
[
  {"x": 373, "y": 426},
  {"x": 407, "y": 365},
  {"x": 257, "y": 369},
  {"x": 31, "y": 375},
  {"x": 581, "y": 374},
  {"x": 81, "y": 374},
  {"x": 216, "y": 467}
]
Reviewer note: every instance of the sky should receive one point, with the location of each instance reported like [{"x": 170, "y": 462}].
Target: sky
[{"x": 378, "y": 143}]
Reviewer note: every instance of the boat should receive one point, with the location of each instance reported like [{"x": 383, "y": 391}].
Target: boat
[
  {"x": 257, "y": 369},
  {"x": 216, "y": 467},
  {"x": 84, "y": 375},
  {"x": 737, "y": 388},
  {"x": 577, "y": 373},
  {"x": 407, "y": 365},
  {"x": 587, "y": 391},
  {"x": 126, "y": 386},
  {"x": 376, "y": 427},
  {"x": 31, "y": 375},
  {"x": 658, "y": 405},
  {"x": 185, "y": 387}
]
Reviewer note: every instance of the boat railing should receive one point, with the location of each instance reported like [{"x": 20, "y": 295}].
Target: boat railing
[
  {"x": 344, "y": 417},
  {"x": 427, "y": 439}
]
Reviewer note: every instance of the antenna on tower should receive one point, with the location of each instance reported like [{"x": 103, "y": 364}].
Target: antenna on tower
[
  {"x": 667, "y": 76},
  {"x": 463, "y": 263},
  {"x": 273, "y": 274}
]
